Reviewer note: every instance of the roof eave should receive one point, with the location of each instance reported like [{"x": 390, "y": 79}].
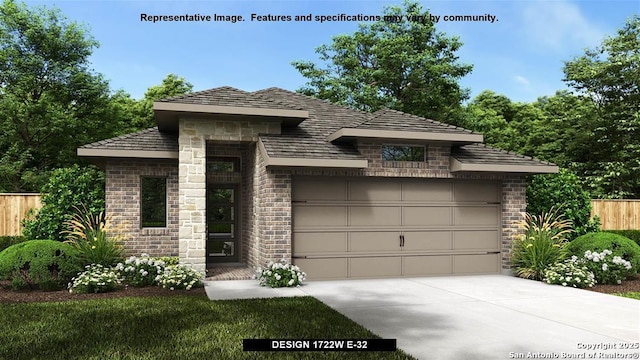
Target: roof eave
[
  {"x": 168, "y": 113},
  {"x": 457, "y": 166},
  {"x": 346, "y": 133},
  {"x": 306, "y": 162},
  {"x": 120, "y": 153}
]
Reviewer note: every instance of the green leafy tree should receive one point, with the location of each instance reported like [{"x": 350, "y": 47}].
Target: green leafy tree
[
  {"x": 67, "y": 189},
  {"x": 608, "y": 76},
  {"x": 142, "y": 113},
  {"x": 405, "y": 65},
  {"x": 562, "y": 191},
  {"x": 50, "y": 101}
]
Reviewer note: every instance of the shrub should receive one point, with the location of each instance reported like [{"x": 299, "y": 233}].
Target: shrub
[
  {"x": 67, "y": 188},
  {"x": 541, "y": 245},
  {"x": 564, "y": 188},
  {"x": 629, "y": 234},
  {"x": 280, "y": 274},
  {"x": 608, "y": 269},
  {"x": 44, "y": 264},
  {"x": 572, "y": 272},
  {"x": 95, "y": 279},
  {"x": 6, "y": 241},
  {"x": 142, "y": 271},
  {"x": 179, "y": 277},
  {"x": 88, "y": 233},
  {"x": 169, "y": 260},
  {"x": 600, "y": 241}
]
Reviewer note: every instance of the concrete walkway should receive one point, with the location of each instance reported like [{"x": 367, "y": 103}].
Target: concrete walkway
[{"x": 474, "y": 317}]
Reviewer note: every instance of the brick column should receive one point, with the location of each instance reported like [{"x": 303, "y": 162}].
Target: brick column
[{"x": 514, "y": 203}]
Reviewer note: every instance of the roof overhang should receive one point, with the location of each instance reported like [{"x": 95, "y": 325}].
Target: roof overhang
[
  {"x": 457, "y": 166},
  {"x": 348, "y": 133},
  {"x": 113, "y": 153},
  {"x": 168, "y": 113},
  {"x": 306, "y": 162}
]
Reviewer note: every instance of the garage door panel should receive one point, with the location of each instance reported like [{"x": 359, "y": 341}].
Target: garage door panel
[
  {"x": 319, "y": 216},
  {"x": 319, "y": 189},
  {"x": 427, "y": 265},
  {"x": 319, "y": 242},
  {"x": 367, "y": 267},
  {"x": 415, "y": 191},
  {"x": 319, "y": 269},
  {"x": 476, "y": 192},
  {"x": 427, "y": 215},
  {"x": 476, "y": 215},
  {"x": 482, "y": 263},
  {"x": 375, "y": 215},
  {"x": 476, "y": 240},
  {"x": 374, "y": 191},
  {"x": 427, "y": 240},
  {"x": 374, "y": 241}
]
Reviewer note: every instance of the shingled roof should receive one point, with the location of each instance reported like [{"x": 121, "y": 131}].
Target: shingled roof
[{"x": 314, "y": 138}]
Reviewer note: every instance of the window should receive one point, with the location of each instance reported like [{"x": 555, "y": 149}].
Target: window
[
  {"x": 403, "y": 153},
  {"x": 153, "y": 201}
]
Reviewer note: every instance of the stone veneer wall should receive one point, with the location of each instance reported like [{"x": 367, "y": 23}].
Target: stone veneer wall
[
  {"x": 122, "y": 196},
  {"x": 193, "y": 135}
]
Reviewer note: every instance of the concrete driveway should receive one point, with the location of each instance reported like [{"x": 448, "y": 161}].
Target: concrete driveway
[{"x": 477, "y": 317}]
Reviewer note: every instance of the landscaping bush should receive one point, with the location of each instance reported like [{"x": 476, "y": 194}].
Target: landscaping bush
[
  {"x": 88, "y": 233},
  {"x": 541, "y": 246},
  {"x": 630, "y": 234},
  {"x": 142, "y": 271},
  {"x": 281, "y": 274},
  {"x": 572, "y": 272},
  {"x": 564, "y": 191},
  {"x": 608, "y": 269},
  {"x": 168, "y": 260},
  {"x": 179, "y": 277},
  {"x": 43, "y": 264},
  {"x": 95, "y": 279},
  {"x": 67, "y": 188},
  {"x": 6, "y": 241},
  {"x": 600, "y": 241}
]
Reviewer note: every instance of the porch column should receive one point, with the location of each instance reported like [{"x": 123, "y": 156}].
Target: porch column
[{"x": 192, "y": 196}]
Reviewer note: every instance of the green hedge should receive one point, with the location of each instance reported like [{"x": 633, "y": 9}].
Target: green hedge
[
  {"x": 39, "y": 264},
  {"x": 6, "y": 241},
  {"x": 618, "y": 244},
  {"x": 631, "y": 234}
]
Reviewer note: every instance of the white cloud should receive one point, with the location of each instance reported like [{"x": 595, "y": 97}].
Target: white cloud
[
  {"x": 522, "y": 81},
  {"x": 558, "y": 24}
]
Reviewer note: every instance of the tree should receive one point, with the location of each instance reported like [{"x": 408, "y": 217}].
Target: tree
[
  {"x": 172, "y": 85},
  {"x": 609, "y": 77},
  {"x": 50, "y": 101},
  {"x": 404, "y": 65}
]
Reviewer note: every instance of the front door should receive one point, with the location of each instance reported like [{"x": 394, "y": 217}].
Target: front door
[{"x": 222, "y": 223}]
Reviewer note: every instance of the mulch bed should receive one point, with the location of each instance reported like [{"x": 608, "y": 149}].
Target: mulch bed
[{"x": 9, "y": 296}]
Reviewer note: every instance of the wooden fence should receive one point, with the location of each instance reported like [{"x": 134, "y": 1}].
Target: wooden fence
[
  {"x": 617, "y": 214},
  {"x": 13, "y": 208}
]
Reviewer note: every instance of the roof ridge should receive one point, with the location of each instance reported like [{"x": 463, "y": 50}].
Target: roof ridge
[
  {"x": 429, "y": 120},
  {"x": 277, "y": 101},
  {"x": 324, "y": 101},
  {"x": 200, "y": 92}
]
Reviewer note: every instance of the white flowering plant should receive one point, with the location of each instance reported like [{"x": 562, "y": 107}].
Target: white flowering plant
[
  {"x": 608, "y": 269},
  {"x": 280, "y": 274},
  {"x": 572, "y": 273},
  {"x": 140, "y": 271},
  {"x": 179, "y": 277},
  {"x": 95, "y": 279}
]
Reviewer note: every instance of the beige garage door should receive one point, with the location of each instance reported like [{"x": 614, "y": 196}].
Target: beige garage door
[{"x": 364, "y": 228}]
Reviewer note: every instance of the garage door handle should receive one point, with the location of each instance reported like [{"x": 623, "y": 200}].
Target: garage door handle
[{"x": 401, "y": 240}]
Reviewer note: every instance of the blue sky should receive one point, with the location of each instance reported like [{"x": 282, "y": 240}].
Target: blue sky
[{"x": 521, "y": 55}]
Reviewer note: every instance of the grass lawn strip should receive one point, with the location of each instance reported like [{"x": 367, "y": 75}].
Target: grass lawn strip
[
  {"x": 177, "y": 327},
  {"x": 632, "y": 295}
]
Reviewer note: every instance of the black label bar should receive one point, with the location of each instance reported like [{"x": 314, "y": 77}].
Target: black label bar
[{"x": 319, "y": 345}]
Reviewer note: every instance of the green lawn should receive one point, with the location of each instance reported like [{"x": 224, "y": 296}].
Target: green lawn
[
  {"x": 176, "y": 327},
  {"x": 633, "y": 295}
]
